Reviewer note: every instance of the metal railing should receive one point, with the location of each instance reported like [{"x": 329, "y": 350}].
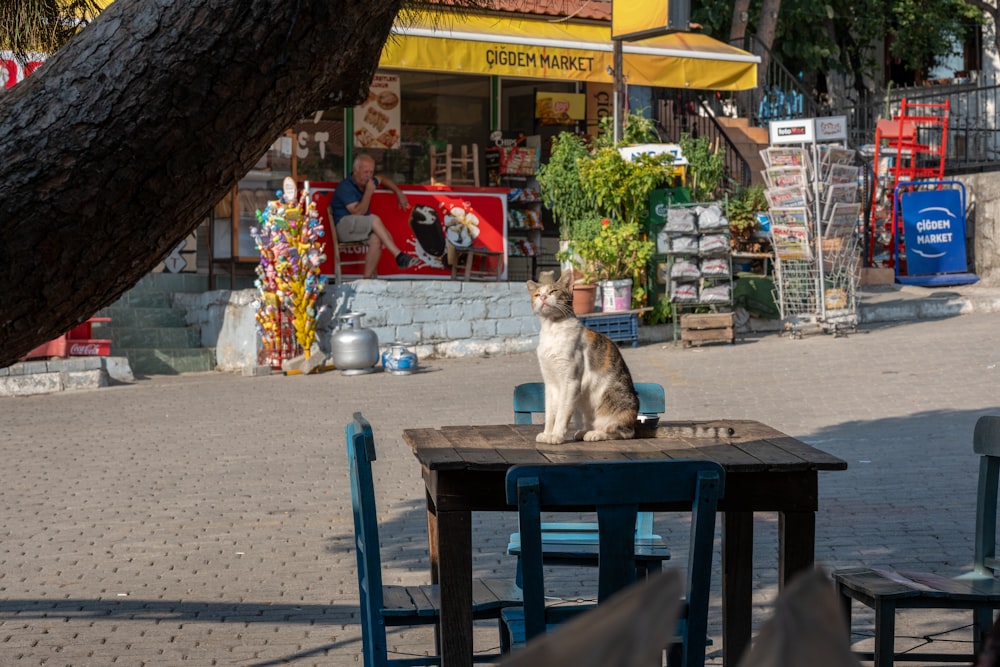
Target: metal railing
[
  {"x": 973, "y": 127},
  {"x": 690, "y": 113},
  {"x": 779, "y": 95}
]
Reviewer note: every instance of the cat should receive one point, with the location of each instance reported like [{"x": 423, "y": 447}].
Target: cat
[{"x": 584, "y": 372}]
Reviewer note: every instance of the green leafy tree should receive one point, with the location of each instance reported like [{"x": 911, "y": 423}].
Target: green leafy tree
[{"x": 42, "y": 26}]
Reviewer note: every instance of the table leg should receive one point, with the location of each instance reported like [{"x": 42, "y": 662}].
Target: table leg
[
  {"x": 737, "y": 585},
  {"x": 454, "y": 540},
  {"x": 796, "y": 544},
  {"x": 432, "y": 538}
]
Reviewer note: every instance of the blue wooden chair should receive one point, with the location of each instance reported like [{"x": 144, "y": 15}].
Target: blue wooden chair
[
  {"x": 575, "y": 543},
  {"x": 615, "y": 490},
  {"x": 385, "y": 606},
  {"x": 886, "y": 590}
]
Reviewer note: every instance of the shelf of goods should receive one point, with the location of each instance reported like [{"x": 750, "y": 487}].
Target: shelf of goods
[
  {"x": 524, "y": 226},
  {"x": 694, "y": 264},
  {"x": 814, "y": 209}
]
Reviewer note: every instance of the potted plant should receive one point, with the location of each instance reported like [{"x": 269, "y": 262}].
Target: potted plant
[
  {"x": 617, "y": 257},
  {"x": 743, "y": 225},
  {"x": 620, "y": 190}
]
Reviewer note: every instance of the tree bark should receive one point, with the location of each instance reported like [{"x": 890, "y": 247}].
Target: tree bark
[
  {"x": 119, "y": 145},
  {"x": 738, "y": 27},
  {"x": 766, "y": 29}
]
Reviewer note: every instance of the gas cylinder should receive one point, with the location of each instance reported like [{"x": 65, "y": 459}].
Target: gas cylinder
[{"x": 353, "y": 347}]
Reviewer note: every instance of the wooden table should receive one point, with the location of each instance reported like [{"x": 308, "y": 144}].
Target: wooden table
[{"x": 766, "y": 471}]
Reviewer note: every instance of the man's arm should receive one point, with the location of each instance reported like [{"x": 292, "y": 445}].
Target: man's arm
[
  {"x": 400, "y": 196},
  {"x": 361, "y": 206}
]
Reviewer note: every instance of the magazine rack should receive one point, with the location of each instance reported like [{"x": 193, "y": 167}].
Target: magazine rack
[{"x": 814, "y": 213}]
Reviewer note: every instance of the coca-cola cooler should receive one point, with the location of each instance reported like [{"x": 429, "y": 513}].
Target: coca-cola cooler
[{"x": 77, "y": 342}]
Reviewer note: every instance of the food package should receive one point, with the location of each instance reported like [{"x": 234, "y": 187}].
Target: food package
[
  {"x": 715, "y": 294},
  {"x": 713, "y": 244},
  {"x": 685, "y": 269},
  {"x": 683, "y": 292},
  {"x": 682, "y": 220},
  {"x": 710, "y": 218},
  {"x": 681, "y": 244},
  {"x": 715, "y": 266}
]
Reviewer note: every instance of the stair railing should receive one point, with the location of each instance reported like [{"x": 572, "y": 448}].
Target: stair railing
[
  {"x": 690, "y": 113},
  {"x": 780, "y": 94}
]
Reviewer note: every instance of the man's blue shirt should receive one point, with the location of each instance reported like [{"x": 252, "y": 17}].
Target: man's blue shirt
[{"x": 347, "y": 192}]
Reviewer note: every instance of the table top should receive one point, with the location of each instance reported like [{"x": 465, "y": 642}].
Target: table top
[{"x": 739, "y": 445}]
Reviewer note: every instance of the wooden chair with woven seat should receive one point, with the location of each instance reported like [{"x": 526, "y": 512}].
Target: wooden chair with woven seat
[
  {"x": 575, "y": 542},
  {"x": 465, "y": 167},
  {"x": 360, "y": 248},
  {"x": 387, "y": 606},
  {"x": 615, "y": 490},
  {"x": 440, "y": 165},
  {"x": 886, "y": 590}
]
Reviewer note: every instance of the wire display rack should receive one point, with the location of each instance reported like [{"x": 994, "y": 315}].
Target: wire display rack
[{"x": 814, "y": 216}]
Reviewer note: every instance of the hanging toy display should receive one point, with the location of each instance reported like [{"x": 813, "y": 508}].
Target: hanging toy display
[{"x": 288, "y": 275}]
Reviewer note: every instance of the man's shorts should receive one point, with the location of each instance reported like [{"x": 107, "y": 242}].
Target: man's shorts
[{"x": 353, "y": 228}]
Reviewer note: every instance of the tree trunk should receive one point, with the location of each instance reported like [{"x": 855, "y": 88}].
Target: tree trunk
[
  {"x": 120, "y": 144},
  {"x": 738, "y": 27},
  {"x": 766, "y": 29}
]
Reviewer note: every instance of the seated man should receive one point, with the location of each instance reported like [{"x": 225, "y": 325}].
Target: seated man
[{"x": 353, "y": 220}]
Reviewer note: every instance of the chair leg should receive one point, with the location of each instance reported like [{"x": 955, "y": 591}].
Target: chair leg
[
  {"x": 845, "y": 607},
  {"x": 982, "y": 623},
  {"x": 885, "y": 633}
]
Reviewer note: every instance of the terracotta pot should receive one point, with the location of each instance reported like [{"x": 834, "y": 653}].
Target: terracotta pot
[{"x": 584, "y": 298}]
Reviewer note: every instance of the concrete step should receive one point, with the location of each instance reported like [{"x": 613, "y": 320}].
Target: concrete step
[
  {"x": 125, "y": 316},
  {"x": 168, "y": 361},
  {"x": 167, "y": 337},
  {"x": 153, "y": 334}
]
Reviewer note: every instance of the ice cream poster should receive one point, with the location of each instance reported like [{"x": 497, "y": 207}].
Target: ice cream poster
[
  {"x": 435, "y": 220},
  {"x": 377, "y": 119}
]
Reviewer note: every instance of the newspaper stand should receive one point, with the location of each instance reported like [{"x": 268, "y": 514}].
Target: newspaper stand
[{"x": 813, "y": 214}]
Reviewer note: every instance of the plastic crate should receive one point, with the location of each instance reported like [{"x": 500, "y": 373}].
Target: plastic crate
[{"x": 621, "y": 328}]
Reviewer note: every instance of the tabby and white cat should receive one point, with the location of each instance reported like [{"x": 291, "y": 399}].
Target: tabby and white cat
[{"x": 585, "y": 374}]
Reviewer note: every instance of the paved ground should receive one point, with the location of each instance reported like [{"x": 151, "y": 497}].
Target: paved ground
[{"x": 205, "y": 519}]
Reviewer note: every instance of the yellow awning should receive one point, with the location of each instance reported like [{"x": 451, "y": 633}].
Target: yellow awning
[{"x": 546, "y": 50}]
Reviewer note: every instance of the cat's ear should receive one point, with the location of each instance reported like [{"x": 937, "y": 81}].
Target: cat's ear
[
  {"x": 532, "y": 285},
  {"x": 565, "y": 280}
]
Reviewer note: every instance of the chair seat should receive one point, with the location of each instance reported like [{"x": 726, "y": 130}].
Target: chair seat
[
  {"x": 916, "y": 589},
  {"x": 423, "y": 603}
]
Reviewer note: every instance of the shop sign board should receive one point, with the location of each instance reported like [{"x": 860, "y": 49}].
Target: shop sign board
[
  {"x": 798, "y": 131},
  {"x": 934, "y": 231},
  {"x": 475, "y": 217},
  {"x": 377, "y": 119},
  {"x": 807, "y": 130}
]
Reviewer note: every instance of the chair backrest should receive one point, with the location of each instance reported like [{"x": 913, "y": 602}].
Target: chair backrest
[
  {"x": 986, "y": 443},
  {"x": 529, "y": 398},
  {"x": 360, "y": 454},
  {"x": 616, "y": 490}
]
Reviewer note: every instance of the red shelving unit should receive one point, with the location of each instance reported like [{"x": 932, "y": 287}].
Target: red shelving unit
[{"x": 910, "y": 147}]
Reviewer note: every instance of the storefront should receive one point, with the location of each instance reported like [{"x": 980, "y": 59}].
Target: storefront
[{"x": 481, "y": 86}]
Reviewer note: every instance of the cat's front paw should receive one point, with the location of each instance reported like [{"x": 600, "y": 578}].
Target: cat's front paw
[
  {"x": 596, "y": 436},
  {"x": 550, "y": 438}
]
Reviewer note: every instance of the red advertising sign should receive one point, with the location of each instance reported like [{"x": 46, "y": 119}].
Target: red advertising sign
[
  {"x": 11, "y": 71},
  {"x": 473, "y": 217}
]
